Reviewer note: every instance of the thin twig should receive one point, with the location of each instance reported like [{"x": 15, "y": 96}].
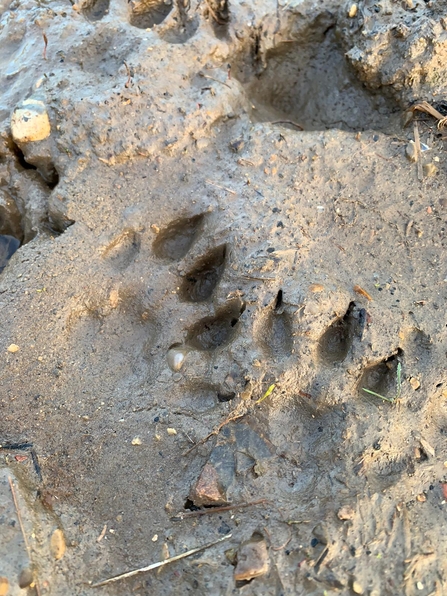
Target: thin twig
[
  {"x": 129, "y": 76},
  {"x": 298, "y": 126},
  {"x": 182, "y": 514},
  {"x": 234, "y": 415},
  {"x": 19, "y": 517},
  {"x": 45, "y": 40},
  {"x": 213, "y": 79},
  {"x": 221, "y": 187},
  {"x": 277, "y": 548},
  {"x": 159, "y": 563}
]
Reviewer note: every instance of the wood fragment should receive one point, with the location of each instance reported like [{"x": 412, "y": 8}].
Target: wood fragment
[
  {"x": 134, "y": 572},
  {"x": 425, "y": 107},
  {"x": 103, "y": 533},
  {"x": 359, "y": 290},
  {"x": 184, "y": 514}
]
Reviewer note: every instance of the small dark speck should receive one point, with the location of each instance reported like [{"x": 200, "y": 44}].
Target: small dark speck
[
  {"x": 320, "y": 429},
  {"x": 157, "y": 419},
  {"x": 280, "y": 224},
  {"x": 375, "y": 138},
  {"x": 271, "y": 249},
  {"x": 314, "y": 542},
  {"x": 431, "y": 487},
  {"x": 276, "y": 210},
  {"x": 224, "y": 528}
]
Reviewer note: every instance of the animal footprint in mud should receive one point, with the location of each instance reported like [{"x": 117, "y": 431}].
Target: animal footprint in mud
[
  {"x": 123, "y": 250},
  {"x": 200, "y": 282},
  {"x": 174, "y": 241},
  {"x": 144, "y": 14},
  {"x": 95, "y": 10},
  {"x": 211, "y": 333},
  {"x": 274, "y": 331},
  {"x": 383, "y": 379},
  {"x": 336, "y": 341}
]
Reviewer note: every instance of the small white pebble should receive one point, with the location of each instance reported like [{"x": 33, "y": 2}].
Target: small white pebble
[
  {"x": 420, "y": 586},
  {"x": 352, "y": 11},
  {"x": 171, "y": 431},
  {"x": 155, "y": 538},
  {"x": 136, "y": 441},
  {"x": 13, "y": 348}
]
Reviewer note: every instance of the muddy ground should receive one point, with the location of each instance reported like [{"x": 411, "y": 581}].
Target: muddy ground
[{"x": 223, "y": 219}]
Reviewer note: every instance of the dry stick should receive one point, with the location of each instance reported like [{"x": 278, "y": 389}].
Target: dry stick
[
  {"x": 417, "y": 144},
  {"x": 183, "y": 515},
  {"x": 289, "y": 122},
  {"x": 160, "y": 563},
  {"x": 221, "y": 187},
  {"x": 19, "y": 517},
  {"x": 45, "y": 40},
  {"x": 234, "y": 415},
  {"x": 213, "y": 79}
]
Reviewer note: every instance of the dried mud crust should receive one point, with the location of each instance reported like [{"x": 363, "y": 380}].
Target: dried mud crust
[{"x": 182, "y": 255}]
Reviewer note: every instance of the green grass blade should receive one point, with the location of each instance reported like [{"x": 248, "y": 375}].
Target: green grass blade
[{"x": 389, "y": 399}]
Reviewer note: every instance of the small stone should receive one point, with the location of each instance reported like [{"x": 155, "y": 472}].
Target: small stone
[
  {"x": 352, "y": 11},
  {"x": 137, "y": 441},
  {"x": 171, "y": 431},
  {"x": 13, "y": 348},
  {"x": 30, "y": 122},
  {"x": 57, "y": 544},
  {"x": 208, "y": 489},
  {"x": 176, "y": 358},
  {"x": 346, "y": 513},
  {"x": 25, "y": 578},
  {"x": 231, "y": 555},
  {"x": 4, "y": 586},
  {"x": 202, "y": 143},
  {"x": 420, "y": 586},
  {"x": 315, "y": 288},
  {"x": 415, "y": 383},
  {"x": 237, "y": 145},
  {"x": 421, "y": 498},
  {"x": 429, "y": 169},
  {"x": 155, "y": 538},
  {"x": 357, "y": 587},
  {"x": 410, "y": 151},
  {"x": 252, "y": 559},
  {"x": 114, "y": 298}
]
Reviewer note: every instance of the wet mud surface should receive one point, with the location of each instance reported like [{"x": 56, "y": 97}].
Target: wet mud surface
[{"x": 222, "y": 290}]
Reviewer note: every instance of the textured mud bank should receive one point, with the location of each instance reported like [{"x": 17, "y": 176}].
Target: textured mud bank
[{"x": 214, "y": 237}]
